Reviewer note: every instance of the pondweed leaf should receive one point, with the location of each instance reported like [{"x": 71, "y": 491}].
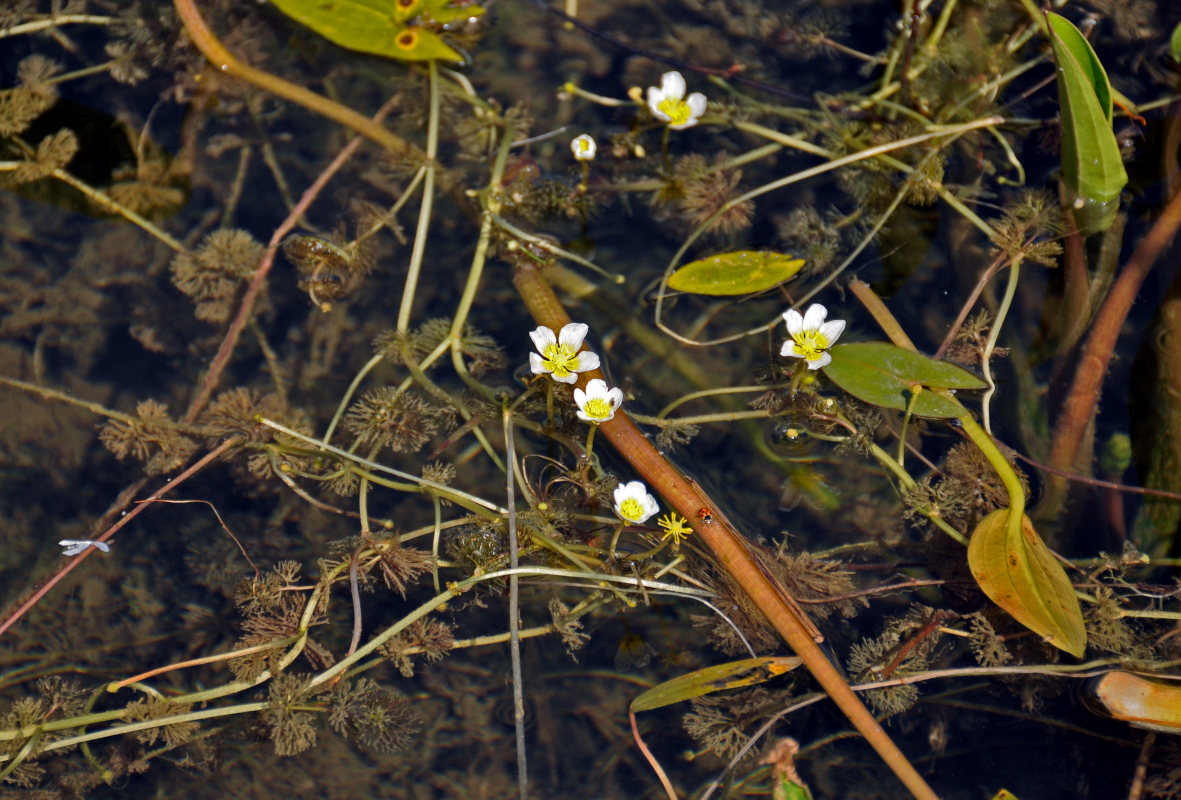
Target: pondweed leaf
[
  {"x": 1140, "y": 702},
  {"x": 884, "y": 375},
  {"x": 381, "y": 27},
  {"x": 1021, "y": 575},
  {"x": 738, "y": 272},
  {"x": 1092, "y": 168},
  {"x": 733, "y": 674}
]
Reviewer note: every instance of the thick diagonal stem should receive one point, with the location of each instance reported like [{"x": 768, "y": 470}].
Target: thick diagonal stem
[{"x": 728, "y": 546}]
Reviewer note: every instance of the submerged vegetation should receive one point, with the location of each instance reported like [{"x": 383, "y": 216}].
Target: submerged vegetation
[{"x": 697, "y": 362}]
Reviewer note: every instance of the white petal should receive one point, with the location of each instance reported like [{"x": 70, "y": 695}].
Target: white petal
[
  {"x": 571, "y": 378},
  {"x": 536, "y": 365},
  {"x": 542, "y": 338},
  {"x": 814, "y": 317},
  {"x": 789, "y": 350},
  {"x": 689, "y": 123},
  {"x": 655, "y": 98},
  {"x": 572, "y": 334},
  {"x": 580, "y": 398},
  {"x": 650, "y": 506},
  {"x": 587, "y": 361},
  {"x": 696, "y": 103},
  {"x": 616, "y": 397},
  {"x": 595, "y": 388},
  {"x": 106, "y": 548},
  {"x": 832, "y": 330},
  {"x": 672, "y": 84},
  {"x": 823, "y": 360},
  {"x": 795, "y": 323}
]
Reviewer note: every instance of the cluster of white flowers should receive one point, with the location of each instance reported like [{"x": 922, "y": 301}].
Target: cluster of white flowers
[
  {"x": 560, "y": 356},
  {"x": 666, "y": 103}
]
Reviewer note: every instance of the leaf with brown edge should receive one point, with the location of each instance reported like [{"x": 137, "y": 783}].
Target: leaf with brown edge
[
  {"x": 1020, "y": 574},
  {"x": 746, "y": 672}
]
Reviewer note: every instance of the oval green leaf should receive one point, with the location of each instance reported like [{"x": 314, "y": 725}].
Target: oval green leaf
[
  {"x": 1021, "y": 575},
  {"x": 738, "y": 272},
  {"x": 1092, "y": 168},
  {"x": 882, "y": 374},
  {"x": 731, "y": 675},
  {"x": 379, "y": 27}
]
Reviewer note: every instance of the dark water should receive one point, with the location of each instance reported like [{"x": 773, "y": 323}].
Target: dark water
[{"x": 100, "y": 310}]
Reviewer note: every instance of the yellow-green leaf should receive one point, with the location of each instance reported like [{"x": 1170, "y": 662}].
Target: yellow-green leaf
[
  {"x": 1004, "y": 794},
  {"x": 1021, "y": 575},
  {"x": 380, "y": 27},
  {"x": 731, "y": 675},
  {"x": 738, "y": 272},
  {"x": 884, "y": 375},
  {"x": 1092, "y": 168}
]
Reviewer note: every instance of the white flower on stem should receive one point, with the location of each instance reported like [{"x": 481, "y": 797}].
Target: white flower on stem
[
  {"x": 811, "y": 336},
  {"x": 583, "y": 147},
  {"x": 559, "y": 356},
  {"x": 633, "y": 503},
  {"x": 598, "y": 403},
  {"x": 668, "y": 103}
]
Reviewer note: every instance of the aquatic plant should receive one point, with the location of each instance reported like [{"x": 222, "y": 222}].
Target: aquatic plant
[{"x": 320, "y": 324}]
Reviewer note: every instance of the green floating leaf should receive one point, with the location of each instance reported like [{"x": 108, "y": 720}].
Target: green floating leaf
[
  {"x": 380, "y": 27},
  {"x": 1092, "y": 168},
  {"x": 731, "y": 675},
  {"x": 739, "y": 272},
  {"x": 1021, "y": 575},
  {"x": 884, "y": 375}
]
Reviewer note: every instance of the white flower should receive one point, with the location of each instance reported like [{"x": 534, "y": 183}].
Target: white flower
[
  {"x": 583, "y": 147},
  {"x": 559, "y": 354},
  {"x": 668, "y": 103},
  {"x": 598, "y": 403},
  {"x": 811, "y": 336},
  {"x": 633, "y": 503}
]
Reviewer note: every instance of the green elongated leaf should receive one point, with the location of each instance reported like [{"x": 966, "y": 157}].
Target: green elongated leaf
[
  {"x": 1004, "y": 794},
  {"x": 1067, "y": 39},
  {"x": 733, "y": 674},
  {"x": 1175, "y": 43},
  {"x": 380, "y": 27},
  {"x": 1020, "y": 574},
  {"x": 1092, "y": 168},
  {"x": 884, "y": 375},
  {"x": 738, "y": 272}
]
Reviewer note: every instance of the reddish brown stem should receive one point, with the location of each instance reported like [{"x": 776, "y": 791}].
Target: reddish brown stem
[
  {"x": 728, "y": 547},
  {"x": 1100, "y": 345},
  {"x": 67, "y": 567}
]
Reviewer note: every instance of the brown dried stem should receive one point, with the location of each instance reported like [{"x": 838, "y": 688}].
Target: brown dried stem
[
  {"x": 1097, "y": 352},
  {"x": 728, "y": 547}
]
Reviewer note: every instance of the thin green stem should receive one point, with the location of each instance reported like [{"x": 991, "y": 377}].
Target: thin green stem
[{"x": 428, "y": 198}]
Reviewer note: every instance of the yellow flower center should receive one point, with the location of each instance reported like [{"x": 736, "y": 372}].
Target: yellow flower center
[
  {"x": 677, "y": 110},
  {"x": 560, "y": 359},
  {"x": 597, "y": 408},
  {"x": 631, "y": 509},
  {"x": 809, "y": 344}
]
